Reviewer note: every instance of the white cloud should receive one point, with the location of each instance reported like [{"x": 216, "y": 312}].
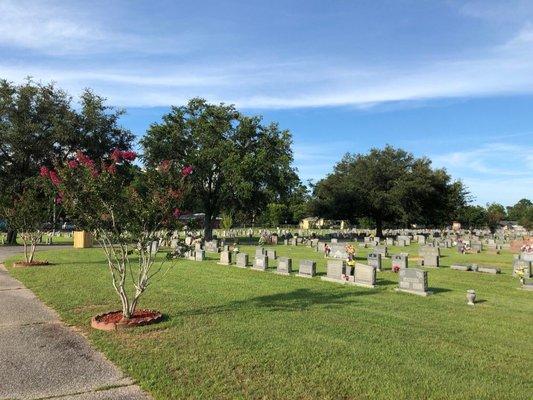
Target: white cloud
[
  {"x": 250, "y": 82},
  {"x": 506, "y": 69},
  {"x": 498, "y": 10},
  {"x": 55, "y": 29},
  {"x": 493, "y": 171}
]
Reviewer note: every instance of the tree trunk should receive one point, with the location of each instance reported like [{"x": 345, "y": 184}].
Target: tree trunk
[
  {"x": 379, "y": 227},
  {"x": 11, "y": 237},
  {"x": 208, "y": 226}
]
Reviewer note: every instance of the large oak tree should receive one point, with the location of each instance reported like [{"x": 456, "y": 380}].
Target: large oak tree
[
  {"x": 239, "y": 163},
  {"x": 388, "y": 186}
]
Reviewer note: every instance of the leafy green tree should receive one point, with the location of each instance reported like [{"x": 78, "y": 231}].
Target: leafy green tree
[
  {"x": 240, "y": 164},
  {"x": 526, "y": 220},
  {"x": 495, "y": 214},
  {"x": 39, "y": 126},
  {"x": 27, "y": 212},
  {"x": 472, "y": 217},
  {"x": 519, "y": 210},
  {"x": 298, "y": 204},
  {"x": 276, "y": 214},
  {"x": 389, "y": 186}
]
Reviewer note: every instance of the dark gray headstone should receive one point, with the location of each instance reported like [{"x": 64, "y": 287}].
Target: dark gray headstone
[
  {"x": 431, "y": 260},
  {"x": 488, "y": 270},
  {"x": 374, "y": 260},
  {"x": 381, "y": 250},
  {"x": 413, "y": 280},
  {"x": 400, "y": 261}
]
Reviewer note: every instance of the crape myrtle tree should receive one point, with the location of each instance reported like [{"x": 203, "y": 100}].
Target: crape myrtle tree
[
  {"x": 27, "y": 210},
  {"x": 126, "y": 208},
  {"x": 388, "y": 186},
  {"x": 40, "y": 126},
  {"x": 240, "y": 164}
]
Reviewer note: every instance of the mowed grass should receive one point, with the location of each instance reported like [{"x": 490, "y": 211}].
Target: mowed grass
[{"x": 233, "y": 333}]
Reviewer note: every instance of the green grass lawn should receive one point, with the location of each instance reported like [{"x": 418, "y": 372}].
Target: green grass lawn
[{"x": 233, "y": 333}]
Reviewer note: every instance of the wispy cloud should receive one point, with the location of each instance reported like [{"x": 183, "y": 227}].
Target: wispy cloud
[
  {"x": 58, "y": 29},
  {"x": 250, "y": 81},
  {"x": 493, "y": 170}
]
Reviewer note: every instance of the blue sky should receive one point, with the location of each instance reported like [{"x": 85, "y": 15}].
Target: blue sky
[{"x": 451, "y": 80}]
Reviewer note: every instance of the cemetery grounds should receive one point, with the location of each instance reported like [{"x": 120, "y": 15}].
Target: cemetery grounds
[{"x": 236, "y": 333}]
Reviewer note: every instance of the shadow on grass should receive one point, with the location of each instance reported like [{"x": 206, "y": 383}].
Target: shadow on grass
[
  {"x": 439, "y": 290},
  {"x": 385, "y": 282},
  {"x": 296, "y": 300}
]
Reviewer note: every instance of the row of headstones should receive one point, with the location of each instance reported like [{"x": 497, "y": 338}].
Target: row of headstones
[
  {"x": 307, "y": 268},
  {"x": 414, "y": 281},
  {"x": 411, "y": 280},
  {"x": 48, "y": 240}
]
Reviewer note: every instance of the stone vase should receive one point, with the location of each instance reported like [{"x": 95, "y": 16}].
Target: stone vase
[{"x": 471, "y": 297}]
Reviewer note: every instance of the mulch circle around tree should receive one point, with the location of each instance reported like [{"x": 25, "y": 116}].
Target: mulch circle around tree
[
  {"x": 23, "y": 264},
  {"x": 112, "y": 321}
]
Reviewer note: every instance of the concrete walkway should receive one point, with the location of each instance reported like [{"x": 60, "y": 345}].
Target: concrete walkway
[{"x": 40, "y": 357}]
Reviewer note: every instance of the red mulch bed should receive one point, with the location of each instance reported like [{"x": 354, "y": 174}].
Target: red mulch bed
[
  {"x": 22, "y": 264},
  {"x": 113, "y": 320}
]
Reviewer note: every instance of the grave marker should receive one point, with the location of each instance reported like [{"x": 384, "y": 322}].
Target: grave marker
[
  {"x": 307, "y": 268},
  {"x": 414, "y": 281},
  {"x": 242, "y": 260},
  {"x": 284, "y": 266},
  {"x": 260, "y": 262}
]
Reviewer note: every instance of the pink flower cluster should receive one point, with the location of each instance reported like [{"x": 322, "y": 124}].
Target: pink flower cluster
[
  {"x": 72, "y": 164},
  {"x": 123, "y": 155},
  {"x": 186, "y": 171},
  {"x": 46, "y": 172},
  {"x": 86, "y": 161}
]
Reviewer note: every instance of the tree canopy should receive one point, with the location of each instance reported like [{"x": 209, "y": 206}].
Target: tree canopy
[
  {"x": 522, "y": 212},
  {"x": 239, "y": 163},
  {"x": 388, "y": 186},
  {"x": 40, "y": 126}
]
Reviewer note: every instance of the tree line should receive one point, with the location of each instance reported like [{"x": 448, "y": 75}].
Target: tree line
[{"x": 243, "y": 168}]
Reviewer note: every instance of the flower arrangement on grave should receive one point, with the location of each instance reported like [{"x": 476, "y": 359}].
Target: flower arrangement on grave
[
  {"x": 126, "y": 208},
  {"x": 527, "y": 248},
  {"x": 395, "y": 268},
  {"x": 520, "y": 273},
  {"x": 350, "y": 250}
]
